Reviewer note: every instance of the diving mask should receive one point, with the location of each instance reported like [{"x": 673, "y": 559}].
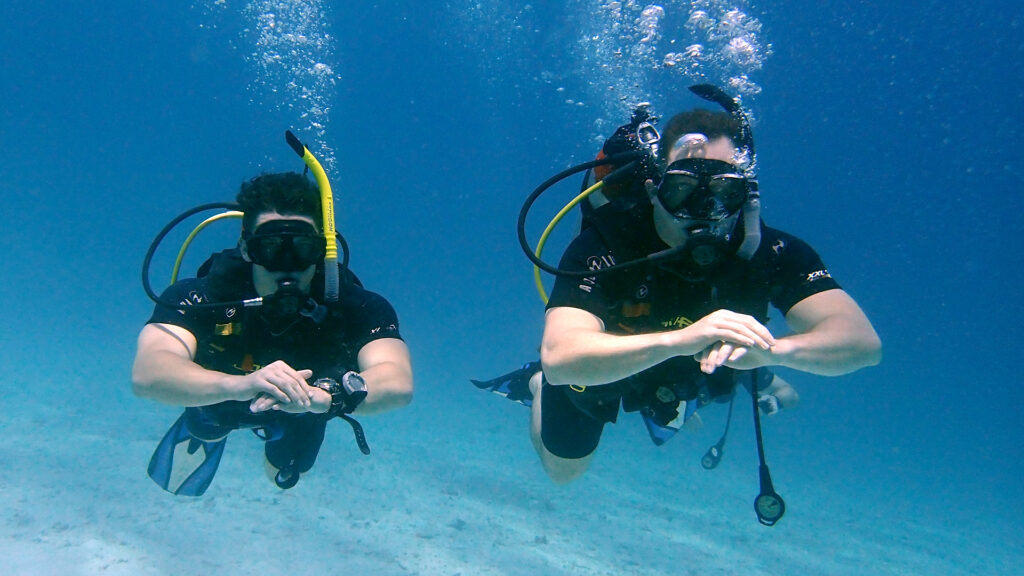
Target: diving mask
[
  {"x": 703, "y": 189},
  {"x": 285, "y": 245}
]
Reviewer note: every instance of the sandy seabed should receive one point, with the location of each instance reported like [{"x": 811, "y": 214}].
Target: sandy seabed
[{"x": 453, "y": 492}]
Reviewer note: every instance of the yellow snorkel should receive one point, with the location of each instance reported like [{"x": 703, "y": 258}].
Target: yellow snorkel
[
  {"x": 331, "y": 237},
  {"x": 327, "y": 201}
]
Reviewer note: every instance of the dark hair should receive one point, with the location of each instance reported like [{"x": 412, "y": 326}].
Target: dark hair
[
  {"x": 285, "y": 193},
  {"x": 697, "y": 121}
]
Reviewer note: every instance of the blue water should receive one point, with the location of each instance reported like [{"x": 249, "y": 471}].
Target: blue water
[{"x": 888, "y": 138}]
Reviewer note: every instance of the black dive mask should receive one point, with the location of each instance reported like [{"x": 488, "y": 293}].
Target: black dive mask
[
  {"x": 703, "y": 189},
  {"x": 285, "y": 245}
]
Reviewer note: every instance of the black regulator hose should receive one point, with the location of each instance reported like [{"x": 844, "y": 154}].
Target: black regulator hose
[
  {"x": 147, "y": 261},
  {"x": 631, "y": 158},
  {"x": 156, "y": 243}
]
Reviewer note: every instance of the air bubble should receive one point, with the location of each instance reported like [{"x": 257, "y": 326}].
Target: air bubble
[{"x": 290, "y": 54}]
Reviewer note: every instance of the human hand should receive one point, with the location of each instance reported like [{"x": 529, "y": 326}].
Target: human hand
[
  {"x": 732, "y": 356},
  {"x": 279, "y": 382},
  {"x": 768, "y": 404},
  {"x": 320, "y": 402},
  {"x": 723, "y": 327}
]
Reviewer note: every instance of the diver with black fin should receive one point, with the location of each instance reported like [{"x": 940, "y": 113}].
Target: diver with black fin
[
  {"x": 275, "y": 335},
  {"x": 660, "y": 303}
]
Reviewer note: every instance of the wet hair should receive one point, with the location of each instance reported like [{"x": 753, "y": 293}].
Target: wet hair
[
  {"x": 284, "y": 193},
  {"x": 697, "y": 121}
]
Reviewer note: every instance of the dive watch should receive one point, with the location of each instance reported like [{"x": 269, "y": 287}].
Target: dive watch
[{"x": 345, "y": 395}]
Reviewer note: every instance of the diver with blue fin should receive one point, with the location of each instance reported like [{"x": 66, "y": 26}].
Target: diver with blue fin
[
  {"x": 660, "y": 302},
  {"x": 275, "y": 336}
]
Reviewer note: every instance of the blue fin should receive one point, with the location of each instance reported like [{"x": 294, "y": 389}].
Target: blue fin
[
  {"x": 183, "y": 464},
  {"x": 661, "y": 434},
  {"x": 515, "y": 385}
]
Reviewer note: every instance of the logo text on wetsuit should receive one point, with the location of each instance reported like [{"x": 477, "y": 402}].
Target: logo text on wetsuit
[
  {"x": 192, "y": 298},
  {"x": 677, "y": 322},
  {"x": 818, "y": 275},
  {"x": 595, "y": 263}
]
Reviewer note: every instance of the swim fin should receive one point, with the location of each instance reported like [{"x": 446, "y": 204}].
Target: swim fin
[
  {"x": 661, "y": 433},
  {"x": 515, "y": 385},
  {"x": 183, "y": 464}
]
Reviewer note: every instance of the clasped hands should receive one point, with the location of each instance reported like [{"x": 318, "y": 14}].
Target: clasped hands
[
  {"x": 727, "y": 338},
  {"x": 278, "y": 386}
]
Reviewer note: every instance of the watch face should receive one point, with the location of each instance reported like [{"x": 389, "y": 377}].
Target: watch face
[
  {"x": 328, "y": 385},
  {"x": 353, "y": 382}
]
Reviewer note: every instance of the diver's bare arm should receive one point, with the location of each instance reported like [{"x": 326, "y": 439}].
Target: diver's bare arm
[
  {"x": 576, "y": 350},
  {"x": 164, "y": 370},
  {"x": 832, "y": 336},
  {"x": 387, "y": 369}
]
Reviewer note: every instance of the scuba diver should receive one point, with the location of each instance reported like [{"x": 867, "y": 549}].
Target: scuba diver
[
  {"x": 660, "y": 303},
  {"x": 262, "y": 340}
]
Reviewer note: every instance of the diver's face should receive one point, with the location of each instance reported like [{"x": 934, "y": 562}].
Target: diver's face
[
  {"x": 673, "y": 230},
  {"x": 266, "y": 281},
  {"x": 720, "y": 148}
]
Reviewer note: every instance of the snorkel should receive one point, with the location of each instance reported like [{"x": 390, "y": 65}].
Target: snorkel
[
  {"x": 752, "y": 208},
  {"x": 644, "y": 153},
  {"x": 327, "y": 202},
  {"x": 331, "y": 239},
  {"x": 769, "y": 505}
]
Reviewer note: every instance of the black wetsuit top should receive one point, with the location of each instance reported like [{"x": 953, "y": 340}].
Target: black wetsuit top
[
  {"x": 655, "y": 298},
  {"x": 237, "y": 340}
]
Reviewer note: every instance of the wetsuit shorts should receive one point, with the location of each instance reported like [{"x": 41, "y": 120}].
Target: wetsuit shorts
[
  {"x": 571, "y": 432},
  {"x": 566, "y": 430},
  {"x": 297, "y": 447},
  {"x": 292, "y": 440}
]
